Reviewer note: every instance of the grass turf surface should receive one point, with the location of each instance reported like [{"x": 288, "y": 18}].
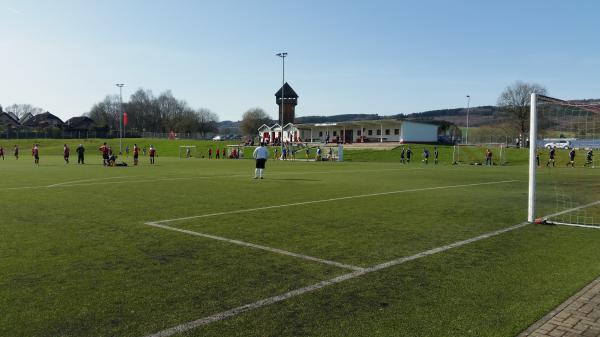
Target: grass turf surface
[{"x": 77, "y": 259}]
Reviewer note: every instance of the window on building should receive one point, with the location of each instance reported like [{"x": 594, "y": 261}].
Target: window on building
[
  {"x": 370, "y": 132},
  {"x": 320, "y": 133},
  {"x": 397, "y": 131},
  {"x": 379, "y": 132},
  {"x": 387, "y": 132},
  {"x": 358, "y": 132}
]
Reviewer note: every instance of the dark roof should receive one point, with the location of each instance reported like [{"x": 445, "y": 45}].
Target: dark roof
[
  {"x": 288, "y": 93},
  {"x": 80, "y": 122},
  {"x": 25, "y": 117},
  {"x": 43, "y": 119},
  {"x": 8, "y": 119}
]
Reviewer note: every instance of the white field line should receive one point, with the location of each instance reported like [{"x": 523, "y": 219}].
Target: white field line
[
  {"x": 72, "y": 184},
  {"x": 255, "y": 246},
  {"x": 297, "y": 292},
  {"x": 89, "y": 180},
  {"x": 334, "y": 199}
]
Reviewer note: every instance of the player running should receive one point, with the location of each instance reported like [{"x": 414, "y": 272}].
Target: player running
[
  {"x": 152, "y": 154},
  {"x": 35, "y": 152},
  {"x": 589, "y": 158},
  {"x": 571, "y": 158},
  {"x": 551, "y": 155}
]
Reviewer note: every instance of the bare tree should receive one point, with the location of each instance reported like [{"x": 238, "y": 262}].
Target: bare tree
[
  {"x": 514, "y": 103},
  {"x": 252, "y": 120},
  {"x": 20, "y": 110},
  {"x": 107, "y": 112},
  {"x": 207, "y": 121}
]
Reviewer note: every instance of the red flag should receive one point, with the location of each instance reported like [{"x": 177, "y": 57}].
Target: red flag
[{"x": 125, "y": 119}]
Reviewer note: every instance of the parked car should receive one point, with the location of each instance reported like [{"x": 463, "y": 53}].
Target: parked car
[
  {"x": 559, "y": 144},
  {"x": 216, "y": 138}
]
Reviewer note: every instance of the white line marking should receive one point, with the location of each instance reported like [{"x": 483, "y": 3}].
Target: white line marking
[
  {"x": 333, "y": 199},
  {"x": 74, "y": 182},
  {"x": 297, "y": 292},
  {"x": 252, "y": 245},
  {"x": 207, "y": 177}
]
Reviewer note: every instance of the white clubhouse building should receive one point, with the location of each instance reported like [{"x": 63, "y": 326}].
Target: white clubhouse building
[{"x": 383, "y": 130}]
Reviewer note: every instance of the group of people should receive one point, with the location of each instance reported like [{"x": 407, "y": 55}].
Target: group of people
[
  {"x": 406, "y": 153},
  {"x": 218, "y": 153},
  {"x": 15, "y": 151},
  {"x": 589, "y": 157}
]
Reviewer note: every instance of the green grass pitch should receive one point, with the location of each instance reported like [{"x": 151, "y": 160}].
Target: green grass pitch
[{"x": 79, "y": 258}]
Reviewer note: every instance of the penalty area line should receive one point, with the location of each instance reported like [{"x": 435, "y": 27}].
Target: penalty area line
[
  {"x": 256, "y": 246},
  {"x": 320, "y": 285}
]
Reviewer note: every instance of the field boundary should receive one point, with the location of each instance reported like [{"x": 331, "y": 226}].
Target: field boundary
[{"x": 311, "y": 288}]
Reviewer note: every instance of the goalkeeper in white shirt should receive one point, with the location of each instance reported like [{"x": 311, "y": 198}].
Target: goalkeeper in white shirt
[{"x": 260, "y": 155}]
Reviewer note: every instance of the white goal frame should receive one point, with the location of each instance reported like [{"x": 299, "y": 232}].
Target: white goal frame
[{"x": 183, "y": 149}]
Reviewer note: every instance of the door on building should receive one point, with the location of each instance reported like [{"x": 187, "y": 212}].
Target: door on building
[{"x": 348, "y": 136}]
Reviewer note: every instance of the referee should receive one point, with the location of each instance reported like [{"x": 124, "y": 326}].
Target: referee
[{"x": 260, "y": 155}]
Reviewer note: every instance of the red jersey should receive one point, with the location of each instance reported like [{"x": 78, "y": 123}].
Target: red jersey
[
  {"x": 1, "y": 151},
  {"x": 35, "y": 151},
  {"x": 136, "y": 150},
  {"x": 104, "y": 149},
  {"x": 218, "y": 150},
  {"x": 152, "y": 152},
  {"x": 66, "y": 151}
]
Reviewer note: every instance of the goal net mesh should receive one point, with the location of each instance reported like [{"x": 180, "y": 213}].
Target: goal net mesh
[{"x": 567, "y": 179}]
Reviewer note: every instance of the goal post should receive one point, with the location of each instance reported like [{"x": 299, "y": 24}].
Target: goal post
[
  {"x": 187, "y": 151},
  {"x": 564, "y": 138}
]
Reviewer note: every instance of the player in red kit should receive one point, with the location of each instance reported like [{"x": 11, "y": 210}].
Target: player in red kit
[
  {"x": 66, "y": 153},
  {"x": 136, "y": 154},
  {"x": 104, "y": 150},
  {"x": 35, "y": 152},
  {"x": 152, "y": 154}
]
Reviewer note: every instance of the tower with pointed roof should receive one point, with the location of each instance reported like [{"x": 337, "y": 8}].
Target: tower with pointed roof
[{"x": 288, "y": 105}]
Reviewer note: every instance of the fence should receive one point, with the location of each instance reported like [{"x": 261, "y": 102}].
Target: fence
[{"x": 62, "y": 134}]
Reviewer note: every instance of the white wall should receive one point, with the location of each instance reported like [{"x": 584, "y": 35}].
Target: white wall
[{"x": 419, "y": 132}]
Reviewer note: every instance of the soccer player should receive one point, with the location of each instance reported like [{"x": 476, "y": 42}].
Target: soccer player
[
  {"x": 318, "y": 156},
  {"x": 152, "y": 154},
  {"x": 426, "y": 156},
  {"x": 218, "y": 154},
  {"x": 35, "y": 152},
  {"x": 488, "y": 157},
  {"x": 260, "y": 154},
  {"x": 551, "y": 155},
  {"x": 209, "y": 153},
  {"x": 537, "y": 157},
  {"x": 275, "y": 153},
  {"x": 127, "y": 151},
  {"x": 435, "y": 155},
  {"x": 104, "y": 149},
  {"x": 307, "y": 152},
  {"x": 2, "y": 152},
  {"x": 80, "y": 150},
  {"x": 408, "y": 154},
  {"x": 571, "y": 158},
  {"x": 224, "y": 153},
  {"x": 136, "y": 154},
  {"x": 66, "y": 153},
  {"x": 588, "y": 158},
  {"x": 16, "y": 152},
  {"x": 402, "y": 152}
]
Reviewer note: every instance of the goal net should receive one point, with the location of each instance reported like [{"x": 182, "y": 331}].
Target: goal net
[
  {"x": 479, "y": 154},
  {"x": 187, "y": 151},
  {"x": 564, "y": 182}
]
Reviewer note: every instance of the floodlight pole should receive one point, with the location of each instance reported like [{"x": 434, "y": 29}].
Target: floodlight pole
[
  {"x": 468, "y": 110},
  {"x": 121, "y": 126},
  {"x": 283, "y": 55}
]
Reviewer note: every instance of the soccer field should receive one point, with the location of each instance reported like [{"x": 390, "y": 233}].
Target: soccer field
[{"x": 198, "y": 248}]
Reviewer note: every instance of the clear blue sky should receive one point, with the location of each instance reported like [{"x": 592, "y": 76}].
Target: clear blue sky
[{"x": 384, "y": 57}]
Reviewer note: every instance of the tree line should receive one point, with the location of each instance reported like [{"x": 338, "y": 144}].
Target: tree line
[{"x": 146, "y": 112}]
